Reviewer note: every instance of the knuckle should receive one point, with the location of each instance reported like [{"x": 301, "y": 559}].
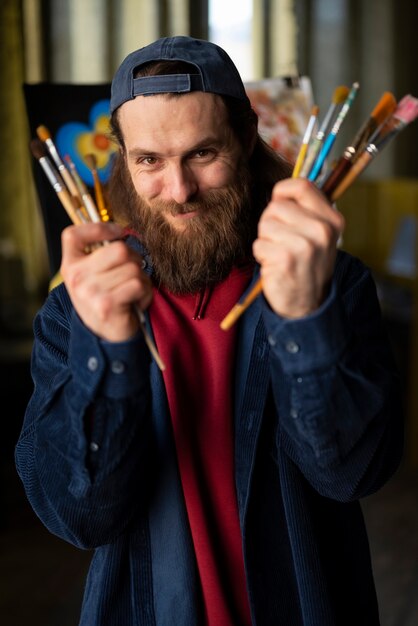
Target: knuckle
[
  {"x": 286, "y": 260},
  {"x": 106, "y": 305},
  {"x": 306, "y": 248},
  {"x": 120, "y": 252},
  {"x": 68, "y": 235},
  {"x": 340, "y": 222},
  {"x": 324, "y": 233},
  {"x": 304, "y": 185}
]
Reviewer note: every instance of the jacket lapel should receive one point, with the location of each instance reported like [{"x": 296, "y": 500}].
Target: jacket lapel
[{"x": 252, "y": 380}]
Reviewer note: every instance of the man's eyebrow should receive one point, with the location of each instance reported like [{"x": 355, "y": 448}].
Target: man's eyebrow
[
  {"x": 205, "y": 142},
  {"x": 138, "y": 151}
]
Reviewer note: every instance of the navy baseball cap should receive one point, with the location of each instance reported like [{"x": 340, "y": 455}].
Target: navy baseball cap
[{"x": 215, "y": 71}]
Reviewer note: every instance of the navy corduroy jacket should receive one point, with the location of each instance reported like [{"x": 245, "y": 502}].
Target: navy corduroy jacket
[{"x": 318, "y": 426}]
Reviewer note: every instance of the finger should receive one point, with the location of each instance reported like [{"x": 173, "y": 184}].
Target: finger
[
  {"x": 111, "y": 278},
  {"x": 285, "y": 252},
  {"x": 75, "y": 239},
  {"x": 281, "y": 221},
  {"x": 133, "y": 290},
  {"x": 307, "y": 195}
]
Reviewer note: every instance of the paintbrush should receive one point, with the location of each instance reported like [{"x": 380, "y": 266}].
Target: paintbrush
[
  {"x": 405, "y": 113},
  {"x": 239, "y": 308},
  {"x": 39, "y": 152},
  {"x": 332, "y": 135},
  {"x": 305, "y": 142},
  {"x": 45, "y": 136},
  {"x": 104, "y": 212},
  {"x": 385, "y": 107},
  {"x": 83, "y": 191},
  {"x": 77, "y": 217},
  {"x": 338, "y": 97}
]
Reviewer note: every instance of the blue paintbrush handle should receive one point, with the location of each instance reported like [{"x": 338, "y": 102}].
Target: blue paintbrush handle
[{"x": 325, "y": 150}]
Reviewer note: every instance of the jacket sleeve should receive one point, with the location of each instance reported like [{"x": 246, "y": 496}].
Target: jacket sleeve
[
  {"x": 340, "y": 407},
  {"x": 90, "y": 408}
]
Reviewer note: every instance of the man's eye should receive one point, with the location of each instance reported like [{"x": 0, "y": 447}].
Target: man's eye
[
  {"x": 147, "y": 160},
  {"x": 203, "y": 154}
]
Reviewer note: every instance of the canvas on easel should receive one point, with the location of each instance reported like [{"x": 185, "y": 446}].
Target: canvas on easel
[{"x": 283, "y": 105}]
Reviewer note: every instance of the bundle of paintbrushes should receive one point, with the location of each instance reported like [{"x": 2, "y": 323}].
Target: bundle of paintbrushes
[
  {"x": 77, "y": 200},
  {"x": 385, "y": 122}
]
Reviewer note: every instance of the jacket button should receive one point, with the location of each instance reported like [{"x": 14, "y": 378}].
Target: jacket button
[
  {"x": 92, "y": 364},
  {"x": 292, "y": 347},
  {"x": 117, "y": 367}
]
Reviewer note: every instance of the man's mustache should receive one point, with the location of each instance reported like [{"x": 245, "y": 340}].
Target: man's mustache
[
  {"x": 173, "y": 208},
  {"x": 182, "y": 209}
]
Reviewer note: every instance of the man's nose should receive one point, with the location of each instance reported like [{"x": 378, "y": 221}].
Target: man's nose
[{"x": 181, "y": 184}]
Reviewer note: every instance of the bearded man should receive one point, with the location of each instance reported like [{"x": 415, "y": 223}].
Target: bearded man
[{"x": 223, "y": 491}]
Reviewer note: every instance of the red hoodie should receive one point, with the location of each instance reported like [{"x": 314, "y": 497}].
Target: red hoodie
[{"x": 199, "y": 380}]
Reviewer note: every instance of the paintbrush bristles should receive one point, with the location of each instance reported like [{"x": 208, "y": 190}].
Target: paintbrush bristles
[
  {"x": 407, "y": 109},
  {"x": 381, "y": 111},
  {"x": 340, "y": 94},
  {"x": 39, "y": 152},
  {"x": 91, "y": 161},
  {"x": 38, "y": 149},
  {"x": 43, "y": 133},
  {"x": 104, "y": 212},
  {"x": 385, "y": 106},
  {"x": 404, "y": 114}
]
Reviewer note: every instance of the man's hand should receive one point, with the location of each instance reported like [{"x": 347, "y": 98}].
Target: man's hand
[
  {"x": 296, "y": 247},
  {"x": 105, "y": 284}
]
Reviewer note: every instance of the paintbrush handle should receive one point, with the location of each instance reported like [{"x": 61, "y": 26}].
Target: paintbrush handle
[
  {"x": 318, "y": 140},
  {"x": 336, "y": 175},
  {"x": 68, "y": 179},
  {"x": 91, "y": 208},
  {"x": 378, "y": 140},
  {"x": 101, "y": 205},
  {"x": 305, "y": 142},
  {"x": 239, "y": 308},
  {"x": 362, "y": 137},
  {"x": 299, "y": 161},
  {"x": 67, "y": 203},
  {"x": 60, "y": 189},
  {"x": 325, "y": 150},
  {"x": 330, "y": 139},
  {"x": 356, "y": 169},
  {"x": 313, "y": 151},
  {"x": 148, "y": 339}
]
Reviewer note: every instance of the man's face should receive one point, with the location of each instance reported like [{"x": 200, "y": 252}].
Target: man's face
[
  {"x": 177, "y": 149},
  {"x": 183, "y": 184}
]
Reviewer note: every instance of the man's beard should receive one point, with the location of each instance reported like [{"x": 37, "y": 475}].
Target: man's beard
[{"x": 218, "y": 237}]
